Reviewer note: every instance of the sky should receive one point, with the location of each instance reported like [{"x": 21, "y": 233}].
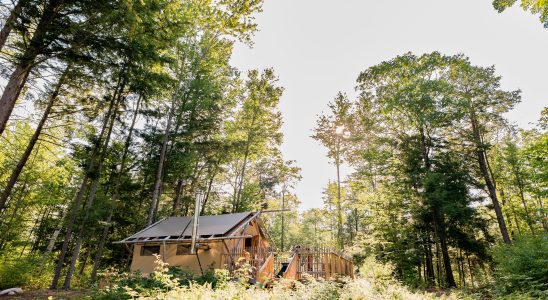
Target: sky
[{"x": 318, "y": 48}]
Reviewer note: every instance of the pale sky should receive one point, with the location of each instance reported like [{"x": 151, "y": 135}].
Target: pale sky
[{"x": 318, "y": 47}]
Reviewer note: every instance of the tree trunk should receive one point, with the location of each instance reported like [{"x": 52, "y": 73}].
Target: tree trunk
[
  {"x": 339, "y": 200},
  {"x": 177, "y": 200},
  {"x": 470, "y": 270},
  {"x": 11, "y": 94},
  {"x": 519, "y": 183},
  {"x": 160, "y": 171},
  {"x": 83, "y": 265},
  {"x": 78, "y": 198},
  {"x": 430, "y": 277},
  {"x": 429, "y": 257},
  {"x": 41, "y": 235},
  {"x": 52, "y": 240},
  {"x": 438, "y": 262},
  {"x": 115, "y": 194},
  {"x": 544, "y": 219},
  {"x": 506, "y": 215},
  {"x": 10, "y": 22},
  {"x": 515, "y": 218},
  {"x": 23, "y": 160},
  {"x": 93, "y": 191},
  {"x": 33, "y": 229},
  {"x": 238, "y": 195},
  {"x": 73, "y": 215},
  {"x": 462, "y": 271},
  {"x": 450, "y": 280},
  {"x": 489, "y": 181},
  {"x": 208, "y": 193},
  {"x": 22, "y": 194},
  {"x": 19, "y": 76}
]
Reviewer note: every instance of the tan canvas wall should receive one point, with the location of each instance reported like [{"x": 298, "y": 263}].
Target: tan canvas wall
[
  {"x": 212, "y": 258},
  {"x": 143, "y": 264}
]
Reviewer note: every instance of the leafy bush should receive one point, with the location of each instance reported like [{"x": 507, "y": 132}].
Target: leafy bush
[
  {"x": 523, "y": 266},
  {"x": 23, "y": 272},
  {"x": 163, "y": 279},
  {"x": 376, "y": 283}
]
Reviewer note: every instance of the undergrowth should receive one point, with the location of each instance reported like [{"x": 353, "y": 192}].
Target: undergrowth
[{"x": 375, "y": 282}]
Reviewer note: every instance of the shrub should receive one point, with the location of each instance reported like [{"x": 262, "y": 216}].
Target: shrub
[
  {"x": 376, "y": 283},
  {"x": 23, "y": 272},
  {"x": 522, "y": 266},
  {"x": 163, "y": 279}
]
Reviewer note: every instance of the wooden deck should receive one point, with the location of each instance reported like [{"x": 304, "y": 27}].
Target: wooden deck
[{"x": 317, "y": 262}]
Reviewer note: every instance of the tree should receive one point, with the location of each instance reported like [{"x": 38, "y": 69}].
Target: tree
[
  {"x": 57, "y": 30},
  {"x": 11, "y": 22},
  {"x": 478, "y": 107},
  {"x": 214, "y": 23},
  {"x": 331, "y": 131},
  {"x": 26, "y": 154},
  {"x": 411, "y": 181},
  {"x": 255, "y": 127},
  {"x": 536, "y": 7}
]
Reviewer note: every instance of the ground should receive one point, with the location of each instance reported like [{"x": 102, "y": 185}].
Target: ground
[{"x": 44, "y": 294}]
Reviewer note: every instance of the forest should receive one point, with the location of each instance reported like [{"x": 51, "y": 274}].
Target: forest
[{"x": 116, "y": 114}]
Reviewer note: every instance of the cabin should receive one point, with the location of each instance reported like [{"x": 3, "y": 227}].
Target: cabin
[
  {"x": 227, "y": 242},
  {"x": 222, "y": 241}
]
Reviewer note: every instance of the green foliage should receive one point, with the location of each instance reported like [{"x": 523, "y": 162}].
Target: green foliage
[
  {"x": 523, "y": 266},
  {"x": 124, "y": 286},
  {"x": 413, "y": 136},
  {"x": 24, "y": 272},
  {"x": 536, "y": 7},
  {"x": 375, "y": 282}
]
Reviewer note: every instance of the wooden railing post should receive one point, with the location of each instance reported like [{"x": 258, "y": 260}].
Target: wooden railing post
[
  {"x": 318, "y": 262},
  {"x": 337, "y": 266}
]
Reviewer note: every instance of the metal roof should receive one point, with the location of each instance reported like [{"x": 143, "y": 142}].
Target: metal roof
[
  {"x": 173, "y": 226},
  {"x": 216, "y": 225},
  {"x": 180, "y": 228}
]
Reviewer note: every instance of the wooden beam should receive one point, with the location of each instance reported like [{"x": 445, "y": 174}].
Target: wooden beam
[
  {"x": 273, "y": 210},
  {"x": 185, "y": 240},
  {"x": 239, "y": 228}
]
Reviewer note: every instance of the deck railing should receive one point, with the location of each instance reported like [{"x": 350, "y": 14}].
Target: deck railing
[
  {"x": 254, "y": 256},
  {"x": 317, "y": 262}
]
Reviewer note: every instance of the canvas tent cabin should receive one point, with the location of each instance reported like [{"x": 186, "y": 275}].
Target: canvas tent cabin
[{"x": 221, "y": 241}]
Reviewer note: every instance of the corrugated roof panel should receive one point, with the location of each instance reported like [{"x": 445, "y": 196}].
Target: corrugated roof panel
[
  {"x": 207, "y": 225},
  {"x": 168, "y": 227},
  {"x": 219, "y": 224}
]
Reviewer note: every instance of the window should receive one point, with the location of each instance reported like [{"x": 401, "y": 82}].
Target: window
[
  {"x": 183, "y": 249},
  {"x": 247, "y": 243},
  {"x": 150, "y": 250}
]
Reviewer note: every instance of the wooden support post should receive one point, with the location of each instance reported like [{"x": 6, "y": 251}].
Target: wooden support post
[
  {"x": 326, "y": 265},
  {"x": 333, "y": 263}
]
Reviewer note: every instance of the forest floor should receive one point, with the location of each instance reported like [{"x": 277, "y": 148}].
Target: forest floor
[{"x": 45, "y": 294}]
